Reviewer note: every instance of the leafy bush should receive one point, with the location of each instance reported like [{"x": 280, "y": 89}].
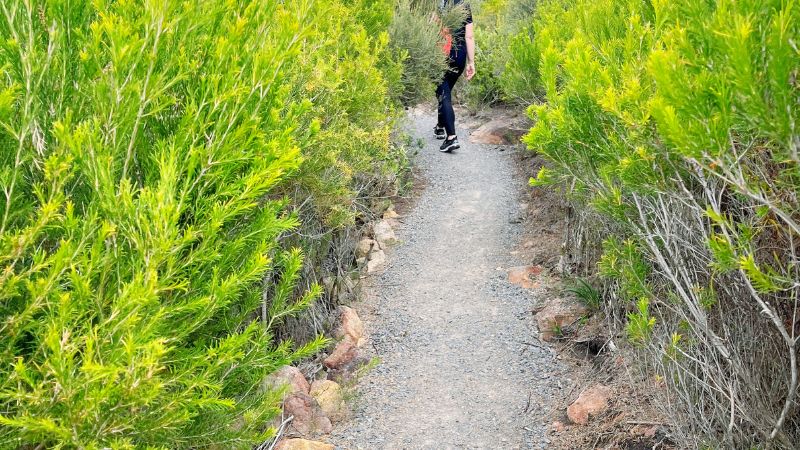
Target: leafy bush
[
  {"x": 507, "y": 54},
  {"x": 416, "y": 41},
  {"x": 677, "y": 120},
  {"x": 151, "y": 157}
]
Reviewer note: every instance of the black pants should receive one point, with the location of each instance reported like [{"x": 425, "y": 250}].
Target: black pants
[{"x": 447, "y": 117}]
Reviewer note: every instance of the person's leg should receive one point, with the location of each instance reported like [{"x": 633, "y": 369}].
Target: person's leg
[
  {"x": 458, "y": 60},
  {"x": 439, "y": 91},
  {"x": 446, "y": 113}
]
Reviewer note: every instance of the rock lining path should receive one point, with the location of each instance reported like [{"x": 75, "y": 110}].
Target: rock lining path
[{"x": 453, "y": 335}]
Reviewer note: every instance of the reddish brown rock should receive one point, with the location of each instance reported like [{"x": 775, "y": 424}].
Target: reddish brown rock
[
  {"x": 309, "y": 420},
  {"x": 330, "y": 398},
  {"x": 591, "y": 403},
  {"x": 523, "y": 276},
  {"x": 302, "y": 444},
  {"x": 288, "y": 375},
  {"x": 347, "y": 373},
  {"x": 498, "y": 132},
  {"x": 344, "y": 352},
  {"x": 557, "y": 315},
  {"x": 350, "y": 325}
]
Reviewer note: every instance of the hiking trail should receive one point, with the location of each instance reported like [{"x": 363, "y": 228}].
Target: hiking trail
[{"x": 460, "y": 364}]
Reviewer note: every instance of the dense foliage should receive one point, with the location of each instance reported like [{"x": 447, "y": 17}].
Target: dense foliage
[
  {"x": 677, "y": 120},
  {"x": 507, "y": 54},
  {"x": 416, "y": 41},
  {"x": 151, "y": 157}
]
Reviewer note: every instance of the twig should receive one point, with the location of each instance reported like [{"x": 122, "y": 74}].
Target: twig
[
  {"x": 647, "y": 422},
  {"x": 274, "y": 441},
  {"x": 540, "y": 346}
]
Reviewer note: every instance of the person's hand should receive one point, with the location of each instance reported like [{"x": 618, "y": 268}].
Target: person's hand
[{"x": 470, "y": 72}]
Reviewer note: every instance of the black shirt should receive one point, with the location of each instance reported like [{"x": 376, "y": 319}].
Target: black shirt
[{"x": 459, "y": 34}]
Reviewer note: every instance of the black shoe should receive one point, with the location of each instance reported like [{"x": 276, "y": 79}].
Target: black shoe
[
  {"x": 449, "y": 145},
  {"x": 438, "y": 132}
]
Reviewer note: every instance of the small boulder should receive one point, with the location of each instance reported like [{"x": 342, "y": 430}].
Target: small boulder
[
  {"x": 557, "y": 315},
  {"x": 330, "y": 398},
  {"x": 350, "y": 325},
  {"x": 347, "y": 373},
  {"x": 288, "y": 376},
  {"x": 377, "y": 259},
  {"x": 364, "y": 247},
  {"x": 498, "y": 132},
  {"x": 302, "y": 444},
  {"x": 384, "y": 234},
  {"x": 344, "y": 352},
  {"x": 391, "y": 214},
  {"x": 523, "y": 276},
  {"x": 591, "y": 403},
  {"x": 349, "y": 284},
  {"x": 309, "y": 420}
]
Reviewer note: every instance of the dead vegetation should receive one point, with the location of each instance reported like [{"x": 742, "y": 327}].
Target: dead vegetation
[{"x": 594, "y": 353}]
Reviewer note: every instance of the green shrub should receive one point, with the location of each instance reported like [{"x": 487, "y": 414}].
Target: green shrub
[
  {"x": 507, "y": 54},
  {"x": 416, "y": 41},
  {"x": 677, "y": 120},
  {"x": 151, "y": 157},
  {"x": 586, "y": 293}
]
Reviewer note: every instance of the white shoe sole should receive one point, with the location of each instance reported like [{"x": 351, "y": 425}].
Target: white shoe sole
[{"x": 450, "y": 148}]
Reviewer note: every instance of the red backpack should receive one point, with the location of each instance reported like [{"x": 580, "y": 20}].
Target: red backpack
[{"x": 447, "y": 41}]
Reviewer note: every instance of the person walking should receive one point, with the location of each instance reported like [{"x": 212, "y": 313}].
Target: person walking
[{"x": 461, "y": 58}]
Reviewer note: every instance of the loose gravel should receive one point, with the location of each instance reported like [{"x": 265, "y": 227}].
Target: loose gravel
[{"x": 460, "y": 366}]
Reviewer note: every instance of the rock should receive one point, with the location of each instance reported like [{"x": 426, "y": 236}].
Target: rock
[
  {"x": 377, "y": 259},
  {"x": 344, "y": 352},
  {"x": 522, "y": 276},
  {"x": 302, "y": 444},
  {"x": 648, "y": 432},
  {"x": 557, "y": 315},
  {"x": 592, "y": 402},
  {"x": 558, "y": 426},
  {"x": 378, "y": 207},
  {"x": 330, "y": 398},
  {"x": 350, "y": 325},
  {"x": 391, "y": 214},
  {"x": 394, "y": 223},
  {"x": 330, "y": 284},
  {"x": 349, "y": 284},
  {"x": 384, "y": 234},
  {"x": 347, "y": 373},
  {"x": 652, "y": 432},
  {"x": 347, "y": 290},
  {"x": 288, "y": 375},
  {"x": 364, "y": 247},
  {"x": 309, "y": 419},
  {"x": 497, "y": 132}
]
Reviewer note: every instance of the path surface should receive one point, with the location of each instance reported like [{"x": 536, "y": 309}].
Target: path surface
[{"x": 448, "y": 327}]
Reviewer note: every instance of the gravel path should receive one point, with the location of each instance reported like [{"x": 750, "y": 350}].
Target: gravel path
[{"x": 449, "y": 329}]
